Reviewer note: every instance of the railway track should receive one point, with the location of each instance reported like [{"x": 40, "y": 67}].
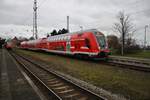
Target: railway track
[
  {"x": 132, "y": 63},
  {"x": 54, "y": 85},
  {"x": 124, "y": 62}
]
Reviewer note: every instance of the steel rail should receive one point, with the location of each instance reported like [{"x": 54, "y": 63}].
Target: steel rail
[
  {"x": 36, "y": 77},
  {"x": 131, "y": 59},
  {"x": 92, "y": 95},
  {"x": 127, "y": 62}
]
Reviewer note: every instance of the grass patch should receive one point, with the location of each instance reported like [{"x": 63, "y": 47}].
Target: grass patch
[
  {"x": 132, "y": 84},
  {"x": 137, "y": 54},
  {"x": 142, "y": 54}
]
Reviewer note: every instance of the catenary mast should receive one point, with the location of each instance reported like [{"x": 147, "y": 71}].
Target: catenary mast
[{"x": 35, "y": 30}]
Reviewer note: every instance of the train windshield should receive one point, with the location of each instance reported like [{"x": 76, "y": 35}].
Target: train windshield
[{"x": 101, "y": 41}]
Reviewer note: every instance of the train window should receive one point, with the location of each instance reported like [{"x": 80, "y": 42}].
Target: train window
[
  {"x": 65, "y": 37},
  {"x": 58, "y": 38},
  {"x": 68, "y": 37},
  {"x": 101, "y": 41},
  {"x": 62, "y": 38},
  {"x": 87, "y": 43},
  {"x": 48, "y": 39}
]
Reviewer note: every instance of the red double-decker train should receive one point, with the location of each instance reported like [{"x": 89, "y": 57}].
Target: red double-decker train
[{"x": 88, "y": 43}]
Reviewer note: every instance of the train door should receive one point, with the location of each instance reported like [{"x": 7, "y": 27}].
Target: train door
[{"x": 68, "y": 46}]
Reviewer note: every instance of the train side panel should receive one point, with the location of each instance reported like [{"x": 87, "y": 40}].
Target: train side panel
[
  {"x": 92, "y": 44},
  {"x": 84, "y": 43}
]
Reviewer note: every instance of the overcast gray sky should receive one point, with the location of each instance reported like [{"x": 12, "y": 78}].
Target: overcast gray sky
[{"x": 16, "y": 16}]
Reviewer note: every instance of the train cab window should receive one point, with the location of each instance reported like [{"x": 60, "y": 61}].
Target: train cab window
[
  {"x": 87, "y": 43},
  {"x": 101, "y": 41}
]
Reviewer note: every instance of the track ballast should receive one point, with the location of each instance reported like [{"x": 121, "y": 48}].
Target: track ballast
[{"x": 55, "y": 85}]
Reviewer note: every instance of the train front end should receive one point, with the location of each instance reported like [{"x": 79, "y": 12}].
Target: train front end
[{"x": 103, "y": 51}]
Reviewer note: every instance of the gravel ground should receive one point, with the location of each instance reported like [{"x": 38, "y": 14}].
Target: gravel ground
[
  {"x": 130, "y": 83},
  {"x": 13, "y": 85}
]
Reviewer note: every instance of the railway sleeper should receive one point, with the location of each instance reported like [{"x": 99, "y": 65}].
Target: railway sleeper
[
  {"x": 66, "y": 91},
  {"x": 74, "y": 95},
  {"x": 44, "y": 78},
  {"x": 56, "y": 85},
  {"x": 65, "y": 87},
  {"x": 53, "y": 82},
  {"x": 51, "y": 79}
]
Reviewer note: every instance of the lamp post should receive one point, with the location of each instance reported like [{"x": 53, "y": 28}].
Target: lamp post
[
  {"x": 146, "y": 26},
  {"x": 35, "y": 30},
  {"x": 68, "y": 24},
  {"x": 122, "y": 47}
]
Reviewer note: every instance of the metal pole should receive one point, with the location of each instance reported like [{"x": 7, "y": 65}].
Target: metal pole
[
  {"x": 146, "y": 26},
  {"x": 68, "y": 23},
  {"x": 33, "y": 25},
  {"x": 122, "y": 47},
  {"x": 35, "y": 18}
]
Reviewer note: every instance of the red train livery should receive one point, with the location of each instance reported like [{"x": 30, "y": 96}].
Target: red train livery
[
  {"x": 89, "y": 43},
  {"x": 8, "y": 45}
]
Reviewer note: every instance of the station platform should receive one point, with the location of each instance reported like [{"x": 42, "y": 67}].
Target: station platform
[{"x": 13, "y": 85}]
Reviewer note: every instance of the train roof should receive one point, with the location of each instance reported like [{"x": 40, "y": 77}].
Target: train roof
[
  {"x": 77, "y": 32},
  {"x": 67, "y": 34},
  {"x": 88, "y": 30}
]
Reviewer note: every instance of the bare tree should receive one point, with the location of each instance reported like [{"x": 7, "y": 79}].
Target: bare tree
[{"x": 124, "y": 26}]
